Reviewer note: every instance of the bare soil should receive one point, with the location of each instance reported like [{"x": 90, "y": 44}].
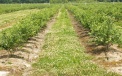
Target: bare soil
[
  {"x": 19, "y": 63},
  {"x": 114, "y": 55}
]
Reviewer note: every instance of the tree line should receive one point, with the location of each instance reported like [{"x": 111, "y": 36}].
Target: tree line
[
  {"x": 54, "y": 1},
  {"x": 65, "y": 1},
  {"x": 110, "y": 0},
  {"x": 24, "y": 1}
]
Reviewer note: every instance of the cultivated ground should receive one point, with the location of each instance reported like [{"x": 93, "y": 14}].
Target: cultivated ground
[
  {"x": 111, "y": 60},
  {"x": 20, "y": 63},
  {"x": 9, "y": 19},
  {"x": 60, "y": 49}
]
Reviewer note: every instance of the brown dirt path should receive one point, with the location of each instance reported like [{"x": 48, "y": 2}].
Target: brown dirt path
[
  {"x": 19, "y": 64},
  {"x": 39, "y": 45},
  {"x": 114, "y": 54}
]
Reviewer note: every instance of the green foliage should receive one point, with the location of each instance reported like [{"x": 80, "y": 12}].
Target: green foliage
[
  {"x": 105, "y": 32},
  {"x": 7, "y": 8},
  {"x": 58, "y": 1},
  {"x": 24, "y": 1},
  {"x": 100, "y": 21},
  {"x": 55, "y": 1},
  {"x": 26, "y": 28},
  {"x": 63, "y": 55}
]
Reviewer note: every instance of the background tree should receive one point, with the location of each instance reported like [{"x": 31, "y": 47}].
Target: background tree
[{"x": 54, "y": 1}]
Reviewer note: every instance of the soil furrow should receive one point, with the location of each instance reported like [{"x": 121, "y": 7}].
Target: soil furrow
[
  {"x": 114, "y": 54},
  {"x": 19, "y": 64}
]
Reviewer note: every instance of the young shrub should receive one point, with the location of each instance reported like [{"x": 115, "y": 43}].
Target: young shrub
[{"x": 105, "y": 33}]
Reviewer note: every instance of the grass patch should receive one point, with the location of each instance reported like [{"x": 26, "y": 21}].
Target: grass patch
[
  {"x": 6, "y": 18},
  {"x": 63, "y": 55}
]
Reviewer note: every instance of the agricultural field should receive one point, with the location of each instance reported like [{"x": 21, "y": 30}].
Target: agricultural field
[
  {"x": 7, "y": 8},
  {"x": 9, "y": 19},
  {"x": 73, "y": 39}
]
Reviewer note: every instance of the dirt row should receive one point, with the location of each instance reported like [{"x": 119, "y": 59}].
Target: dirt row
[
  {"x": 111, "y": 60},
  {"x": 19, "y": 64}
]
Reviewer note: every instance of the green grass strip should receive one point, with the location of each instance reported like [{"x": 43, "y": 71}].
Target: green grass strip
[{"x": 63, "y": 55}]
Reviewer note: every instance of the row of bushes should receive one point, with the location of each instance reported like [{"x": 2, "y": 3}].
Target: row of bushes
[
  {"x": 7, "y": 8},
  {"x": 26, "y": 28},
  {"x": 101, "y": 25}
]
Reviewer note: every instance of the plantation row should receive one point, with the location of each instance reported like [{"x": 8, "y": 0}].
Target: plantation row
[
  {"x": 26, "y": 28},
  {"x": 62, "y": 53},
  {"x": 7, "y": 8},
  {"x": 101, "y": 22},
  {"x": 112, "y": 10}
]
